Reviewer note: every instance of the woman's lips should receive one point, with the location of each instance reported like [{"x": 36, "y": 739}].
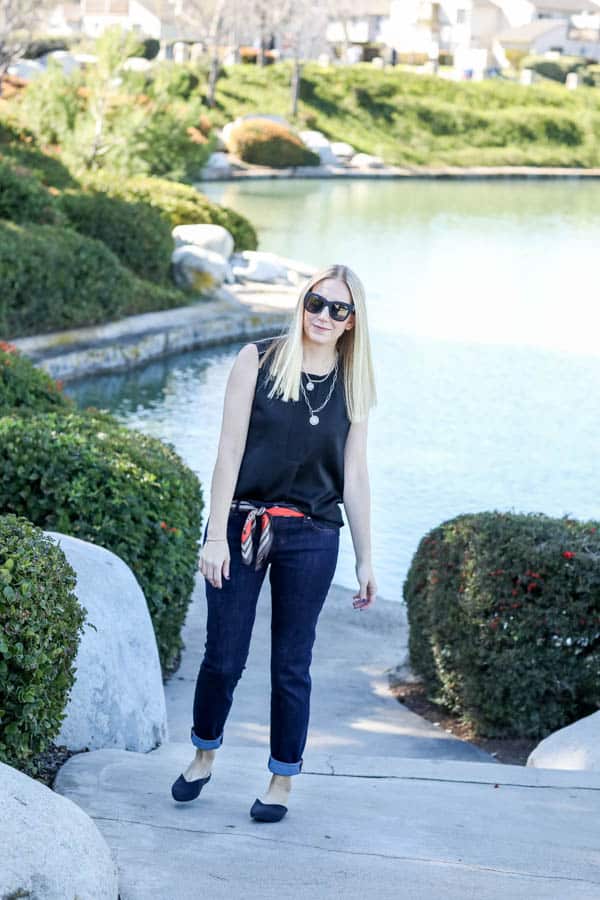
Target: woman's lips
[{"x": 320, "y": 327}]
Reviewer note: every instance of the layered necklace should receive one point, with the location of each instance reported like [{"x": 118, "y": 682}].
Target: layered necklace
[{"x": 310, "y": 386}]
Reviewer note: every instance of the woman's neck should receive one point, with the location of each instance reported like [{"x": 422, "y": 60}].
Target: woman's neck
[{"x": 318, "y": 361}]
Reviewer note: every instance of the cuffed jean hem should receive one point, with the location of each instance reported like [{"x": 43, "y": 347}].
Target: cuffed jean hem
[
  {"x": 205, "y": 744},
  {"x": 283, "y": 768}
]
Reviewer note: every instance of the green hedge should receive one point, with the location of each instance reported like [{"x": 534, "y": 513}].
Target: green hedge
[
  {"x": 504, "y": 615},
  {"x": 181, "y": 203},
  {"x": 40, "y": 624},
  {"x": 267, "y": 143},
  {"x": 84, "y": 475},
  {"x": 138, "y": 233},
  {"x": 24, "y": 199},
  {"x": 555, "y": 69},
  {"x": 54, "y": 278},
  {"x": 25, "y": 389}
]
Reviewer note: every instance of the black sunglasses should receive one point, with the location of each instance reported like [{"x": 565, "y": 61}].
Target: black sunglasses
[{"x": 314, "y": 303}]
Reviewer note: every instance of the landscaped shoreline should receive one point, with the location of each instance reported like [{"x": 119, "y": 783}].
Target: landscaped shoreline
[
  {"x": 249, "y": 173},
  {"x": 233, "y": 314}
]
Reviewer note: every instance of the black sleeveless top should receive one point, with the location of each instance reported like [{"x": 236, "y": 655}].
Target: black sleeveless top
[{"x": 288, "y": 460}]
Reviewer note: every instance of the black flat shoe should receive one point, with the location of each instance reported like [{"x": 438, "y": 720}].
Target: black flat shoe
[
  {"x": 268, "y": 812},
  {"x": 188, "y": 790}
]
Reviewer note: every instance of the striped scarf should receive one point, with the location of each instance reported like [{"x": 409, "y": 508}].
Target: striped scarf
[{"x": 266, "y": 529}]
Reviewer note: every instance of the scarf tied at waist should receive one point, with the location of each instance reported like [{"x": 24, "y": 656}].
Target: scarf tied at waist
[{"x": 266, "y": 529}]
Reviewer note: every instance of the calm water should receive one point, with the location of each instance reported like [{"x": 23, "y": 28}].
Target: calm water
[{"x": 484, "y": 322}]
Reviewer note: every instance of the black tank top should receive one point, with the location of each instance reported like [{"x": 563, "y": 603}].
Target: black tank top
[{"x": 288, "y": 460}]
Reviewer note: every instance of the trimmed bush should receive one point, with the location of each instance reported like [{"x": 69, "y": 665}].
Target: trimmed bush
[
  {"x": 25, "y": 389},
  {"x": 54, "y": 278},
  {"x": 86, "y": 476},
  {"x": 504, "y": 614},
  {"x": 138, "y": 233},
  {"x": 181, "y": 203},
  {"x": 266, "y": 143},
  {"x": 171, "y": 79},
  {"x": 24, "y": 199},
  {"x": 40, "y": 625},
  {"x": 555, "y": 69}
]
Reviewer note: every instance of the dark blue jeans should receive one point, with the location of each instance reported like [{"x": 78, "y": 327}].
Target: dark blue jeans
[{"x": 301, "y": 566}]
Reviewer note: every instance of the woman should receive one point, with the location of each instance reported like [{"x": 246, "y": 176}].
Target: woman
[{"x": 292, "y": 448}]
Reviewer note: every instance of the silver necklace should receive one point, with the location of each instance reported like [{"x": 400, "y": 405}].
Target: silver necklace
[
  {"x": 310, "y": 382},
  {"x": 314, "y": 419}
]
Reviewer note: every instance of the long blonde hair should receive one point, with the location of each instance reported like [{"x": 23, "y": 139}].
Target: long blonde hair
[{"x": 355, "y": 362}]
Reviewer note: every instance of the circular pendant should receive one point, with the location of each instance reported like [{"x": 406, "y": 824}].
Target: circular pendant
[
  {"x": 314, "y": 420},
  {"x": 310, "y": 386}
]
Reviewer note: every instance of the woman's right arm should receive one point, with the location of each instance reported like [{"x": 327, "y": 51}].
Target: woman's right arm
[{"x": 237, "y": 407}]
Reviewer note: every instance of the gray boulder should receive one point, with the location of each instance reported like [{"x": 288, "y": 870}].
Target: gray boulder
[
  {"x": 209, "y": 237},
  {"x": 118, "y": 697},
  {"x": 259, "y": 265},
  {"x": 318, "y": 143},
  {"x": 219, "y": 163},
  {"x": 199, "y": 269},
  {"x": 366, "y": 161},
  {"x": 51, "y": 848},
  {"x": 343, "y": 151},
  {"x": 576, "y": 746}
]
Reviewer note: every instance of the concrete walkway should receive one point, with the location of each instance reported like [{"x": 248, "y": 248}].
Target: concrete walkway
[{"x": 387, "y": 805}]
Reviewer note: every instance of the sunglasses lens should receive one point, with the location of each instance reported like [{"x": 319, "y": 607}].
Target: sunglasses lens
[
  {"x": 338, "y": 312},
  {"x": 314, "y": 304}
]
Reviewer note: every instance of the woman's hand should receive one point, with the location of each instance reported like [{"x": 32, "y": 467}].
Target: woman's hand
[
  {"x": 214, "y": 560},
  {"x": 368, "y": 586}
]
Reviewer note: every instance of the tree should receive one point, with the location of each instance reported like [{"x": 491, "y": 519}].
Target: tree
[
  {"x": 18, "y": 22},
  {"x": 303, "y": 26}
]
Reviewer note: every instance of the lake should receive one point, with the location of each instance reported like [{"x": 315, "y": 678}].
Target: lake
[{"x": 484, "y": 322}]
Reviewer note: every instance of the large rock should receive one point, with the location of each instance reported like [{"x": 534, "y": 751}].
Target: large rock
[
  {"x": 366, "y": 161},
  {"x": 196, "y": 268},
  {"x": 576, "y": 746},
  {"x": 118, "y": 698},
  {"x": 257, "y": 265},
  {"x": 219, "y": 163},
  {"x": 51, "y": 849},
  {"x": 209, "y": 237},
  {"x": 343, "y": 151},
  {"x": 318, "y": 143}
]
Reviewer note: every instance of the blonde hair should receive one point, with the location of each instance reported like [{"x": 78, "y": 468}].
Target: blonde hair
[{"x": 355, "y": 363}]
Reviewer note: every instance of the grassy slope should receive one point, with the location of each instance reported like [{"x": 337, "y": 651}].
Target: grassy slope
[{"x": 423, "y": 120}]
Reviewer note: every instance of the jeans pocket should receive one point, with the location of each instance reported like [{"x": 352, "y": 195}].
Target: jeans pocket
[{"x": 321, "y": 526}]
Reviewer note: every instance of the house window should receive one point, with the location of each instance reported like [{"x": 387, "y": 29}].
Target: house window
[{"x": 461, "y": 16}]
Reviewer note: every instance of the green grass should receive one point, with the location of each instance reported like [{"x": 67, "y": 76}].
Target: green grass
[{"x": 423, "y": 120}]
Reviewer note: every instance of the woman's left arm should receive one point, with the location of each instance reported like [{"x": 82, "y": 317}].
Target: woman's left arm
[{"x": 357, "y": 504}]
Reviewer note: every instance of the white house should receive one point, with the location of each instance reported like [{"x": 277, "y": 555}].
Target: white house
[
  {"x": 160, "y": 19},
  {"x": 425, "y": 27},
  {"x": 360, "y": 24}
]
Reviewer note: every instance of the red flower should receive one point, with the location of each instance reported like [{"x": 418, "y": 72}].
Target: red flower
[
  {"x": 532, "y": 586},
  {"x": 8, "y": 348},
  {"x": 568, "y": 554},
  {"x": 163, "y": 525}
]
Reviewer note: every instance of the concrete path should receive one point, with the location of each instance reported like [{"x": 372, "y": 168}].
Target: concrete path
[{"x": 386, "y": 805}]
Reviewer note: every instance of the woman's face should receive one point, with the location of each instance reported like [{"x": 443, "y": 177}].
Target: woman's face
[{"x": 320, "y": 327}]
